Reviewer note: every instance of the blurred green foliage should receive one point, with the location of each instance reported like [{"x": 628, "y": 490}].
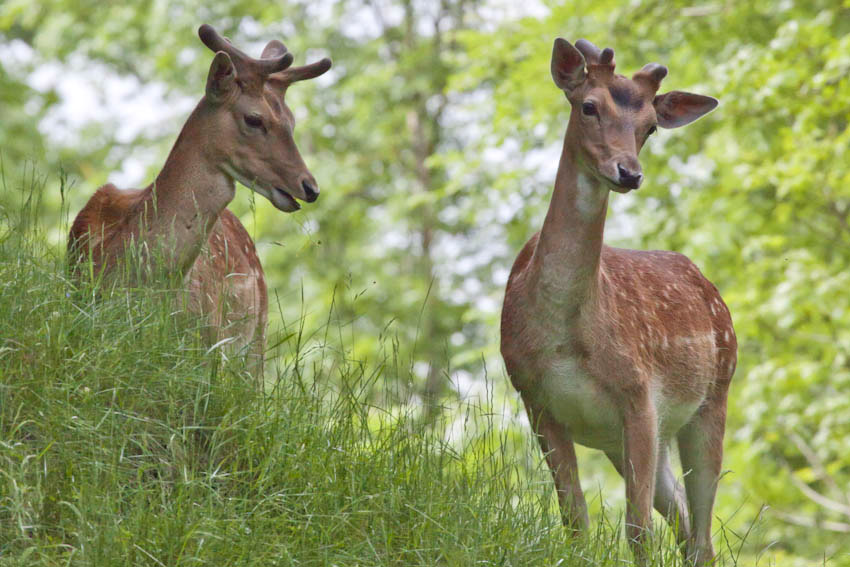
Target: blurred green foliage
[{"x": 435, "y": 139}]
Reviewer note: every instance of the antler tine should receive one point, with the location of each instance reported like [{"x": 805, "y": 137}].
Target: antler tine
[
  {"x": 653, "y": 73},
  {"x": 216, "y": 42},
  {"x": 265, "y": 66},
  {"x": 607, "y": 57},
  {"x": 274, "y": 48},
  {"x": 305, "y": 72},
  {"x": 277, "y": 55},
  {"x": 274, "y": 64},
  {"x": 591, "y": 52}
]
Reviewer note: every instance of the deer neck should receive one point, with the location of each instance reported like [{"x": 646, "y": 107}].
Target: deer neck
[
  {"x": 188, "y": 195},
  {"x": 565, "y": 263}
]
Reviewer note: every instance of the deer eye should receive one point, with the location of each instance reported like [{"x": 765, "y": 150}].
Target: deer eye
[
  {"x": 588, "y": 109},
  {"x": 254, "y": 121},
  {"x": 652, "y": 131}
]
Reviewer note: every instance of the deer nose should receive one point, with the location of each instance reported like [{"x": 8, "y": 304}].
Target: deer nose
[
  {"x": 311, "y": 192},
  {"x": 629, "y": 179}
]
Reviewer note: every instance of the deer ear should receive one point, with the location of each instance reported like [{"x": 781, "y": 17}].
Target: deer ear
[
  {"x": 678, "y": 108},
  {"x": 567, "y": 65},
  {"x": 221, "y": 80}
]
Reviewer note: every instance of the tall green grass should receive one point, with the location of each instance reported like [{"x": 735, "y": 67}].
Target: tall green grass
[{"x": 126, "y": 440}]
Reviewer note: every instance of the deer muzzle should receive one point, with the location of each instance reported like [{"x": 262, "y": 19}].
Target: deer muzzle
[
  {"x": 628, "y": 178},
  {"x": 311, "y": 191}
]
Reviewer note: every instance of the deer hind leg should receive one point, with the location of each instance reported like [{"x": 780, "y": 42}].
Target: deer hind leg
[
  {"x": 701, "y": 451},
  {"x": 670, "y": 498},
  {"x": 640, "y": 452},
  {"x": 560, "y": 452}
]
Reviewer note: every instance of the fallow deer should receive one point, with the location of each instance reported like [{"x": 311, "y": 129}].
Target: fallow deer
[
  {"x": 619, "y": 350},
  {"x": 242, "y": 130}
]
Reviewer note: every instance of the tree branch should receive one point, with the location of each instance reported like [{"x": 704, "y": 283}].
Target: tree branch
[
  {"x": 815, "y": 462},
  {"x": 808, "y": 522},
  {"x": 819, "y": 498}
]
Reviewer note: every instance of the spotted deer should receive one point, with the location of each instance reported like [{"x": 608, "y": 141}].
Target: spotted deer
[
  {"x": 241, "y": 130},
  {"x": 619, "y": 350}
]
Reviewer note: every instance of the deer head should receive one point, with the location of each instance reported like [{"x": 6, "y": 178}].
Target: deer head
[
  {"x": 613, "y": 116},
  {"x": 249, "y": 130}
]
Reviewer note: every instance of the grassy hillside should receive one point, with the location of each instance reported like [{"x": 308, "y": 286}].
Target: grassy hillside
[{"x": 124, "y": 440}]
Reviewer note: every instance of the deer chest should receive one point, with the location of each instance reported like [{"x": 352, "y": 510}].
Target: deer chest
[{"x": 575, "y": 399}]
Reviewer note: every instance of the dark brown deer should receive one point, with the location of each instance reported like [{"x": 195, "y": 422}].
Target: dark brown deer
[
  {"x": 619, "y": 350},
  {"x": 242, "y": 131}
]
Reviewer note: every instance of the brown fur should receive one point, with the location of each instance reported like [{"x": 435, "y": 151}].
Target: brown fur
[
  {"x": 646, "y": 297},
  {"x": 241, "y": 130},
  {"x": 620, "y": 350},
  {"x": 226, "y": 281},
  {"x": 99, "y": 219}
]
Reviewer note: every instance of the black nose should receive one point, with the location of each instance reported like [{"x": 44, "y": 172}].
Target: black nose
[
  {"x": 629, "y": 179},
  {"x": 311, "y": 192}
]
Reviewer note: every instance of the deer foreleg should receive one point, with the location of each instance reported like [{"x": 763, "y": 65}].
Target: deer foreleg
[
  {"x": 640, "y": 451},
  {"x": 669, "y": 499},
  {"x": 557, "y": 446}
]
